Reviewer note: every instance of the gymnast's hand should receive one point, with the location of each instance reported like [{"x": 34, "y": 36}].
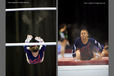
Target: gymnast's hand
[
  {"x": 39, "y": 39},
  {"x": 29, "y": 37}
]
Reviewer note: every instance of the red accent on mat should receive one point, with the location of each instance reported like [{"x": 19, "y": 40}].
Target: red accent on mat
[
  {"x": 71, "y": 61},
  {"x": 68, "y": 51}
]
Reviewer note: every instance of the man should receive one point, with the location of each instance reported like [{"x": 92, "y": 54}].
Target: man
[
  {"x": 34, "y": 54},
  {"x": 86, "y": 48}
]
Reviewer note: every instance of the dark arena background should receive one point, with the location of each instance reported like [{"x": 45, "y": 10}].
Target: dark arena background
[
  {"x": 37, "y": 23},
  {"x": 93, "y": 14}
]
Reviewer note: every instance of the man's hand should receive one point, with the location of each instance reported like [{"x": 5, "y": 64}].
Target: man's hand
[
  {"x": 97, "y": 56},
  {"x": 77, "y": 58}
]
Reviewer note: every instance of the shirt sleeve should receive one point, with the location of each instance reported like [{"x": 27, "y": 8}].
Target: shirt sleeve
[
  {"x": 74, "y": 48},
  {"x": 43, "y": 48},
  {"x": 26, "y": 50},
  {"x": 98, "y": 45},
  {"x": 25, "y": 47},
  {"x": 73, "y": 51}
]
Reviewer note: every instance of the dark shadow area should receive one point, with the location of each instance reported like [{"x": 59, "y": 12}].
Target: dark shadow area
[{"x": 30, "y": 3}]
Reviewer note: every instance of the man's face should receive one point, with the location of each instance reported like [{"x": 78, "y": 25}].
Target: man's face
[{"x": 83, "y": 34}]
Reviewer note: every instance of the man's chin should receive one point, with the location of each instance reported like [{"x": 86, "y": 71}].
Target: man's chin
[{"x": 83, "y": 38}]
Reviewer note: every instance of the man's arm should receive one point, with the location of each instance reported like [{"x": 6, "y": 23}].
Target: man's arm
[
  {"x": 105, "y": 51},
  {"x": 75, "y": 51},
  {"x": 97, "y": 53},
  {"x": 100, "y": 46},
  {"x": 97, "y": 56}
]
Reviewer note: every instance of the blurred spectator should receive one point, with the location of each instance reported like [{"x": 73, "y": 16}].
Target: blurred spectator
[{"x": 105, "y": 51}]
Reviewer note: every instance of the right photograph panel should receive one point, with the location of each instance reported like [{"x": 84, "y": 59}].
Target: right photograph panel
[{"x": 83, "y": 38}]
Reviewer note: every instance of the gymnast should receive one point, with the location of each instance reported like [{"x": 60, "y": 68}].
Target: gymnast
[
  {"x": 86, "y": 48},
  {"x": 63, "y": 38},
  {"x": 34, "y": 54}
]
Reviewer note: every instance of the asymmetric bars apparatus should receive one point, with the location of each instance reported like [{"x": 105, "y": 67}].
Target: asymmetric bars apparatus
[
  {"x": 30, "y": 44},
  {"x": 28, "y": 9}
]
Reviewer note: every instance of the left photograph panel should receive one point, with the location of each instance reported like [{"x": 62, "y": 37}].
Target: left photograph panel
[{"x": 30, "y": 38}]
